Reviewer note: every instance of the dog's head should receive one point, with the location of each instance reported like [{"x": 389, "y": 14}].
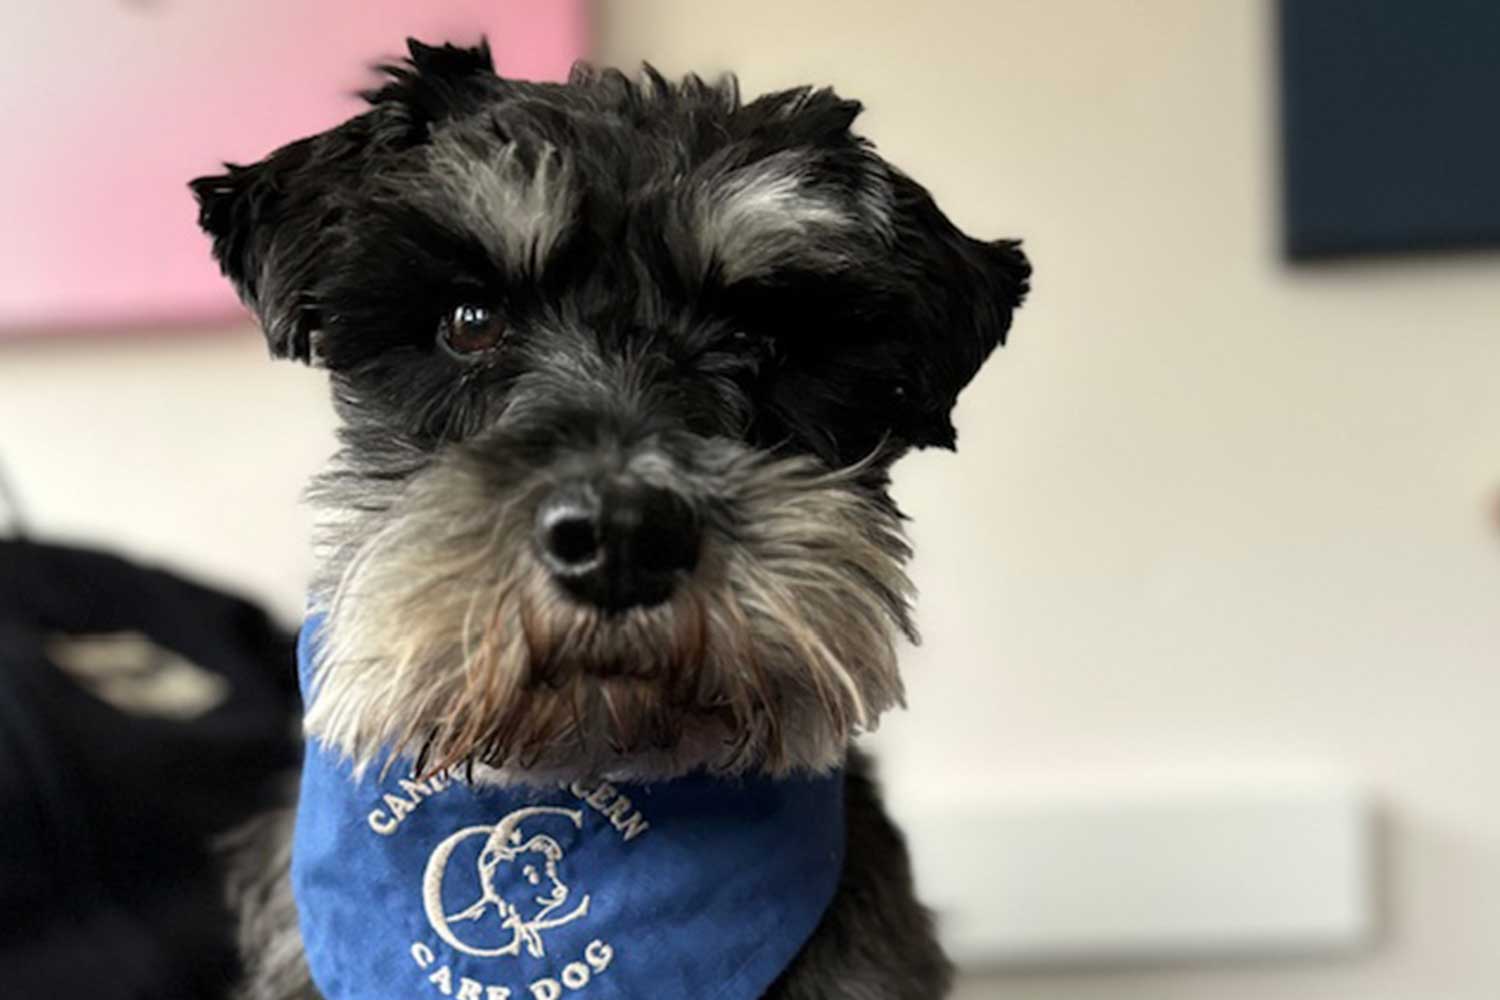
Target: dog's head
[{"x": 621, "y": 367}]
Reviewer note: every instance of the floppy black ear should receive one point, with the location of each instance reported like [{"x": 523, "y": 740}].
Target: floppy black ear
[
  {"x": 273, "y": 222},
  {"x": 264, "y": 221},
  {"x": 961, "y": 295}
]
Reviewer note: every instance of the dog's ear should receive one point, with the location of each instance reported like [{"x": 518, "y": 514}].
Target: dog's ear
[
  {"x": 945, "y": 299},
  {"x": 265, "y": 220},
  {"x": 273, "y": 221},
  {"x": 960, "y": 294}
]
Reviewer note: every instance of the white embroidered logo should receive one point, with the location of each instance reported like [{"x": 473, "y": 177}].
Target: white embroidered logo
[{"x": 509, "y": 858}]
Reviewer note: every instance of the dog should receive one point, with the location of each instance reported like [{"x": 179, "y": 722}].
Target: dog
[{"x": 608, "y": 573}]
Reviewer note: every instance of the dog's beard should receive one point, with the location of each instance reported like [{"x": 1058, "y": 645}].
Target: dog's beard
[{"x": 446, "y": 643}]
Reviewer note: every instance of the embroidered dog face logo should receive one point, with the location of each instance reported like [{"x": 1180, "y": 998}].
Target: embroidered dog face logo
[{"x": 518, "y": 891}]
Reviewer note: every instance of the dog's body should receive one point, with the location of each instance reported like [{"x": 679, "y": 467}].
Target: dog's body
[{"x": 621, "y": 369}]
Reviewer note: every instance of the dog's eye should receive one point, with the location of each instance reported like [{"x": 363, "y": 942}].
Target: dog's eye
[{"x": 471, "y": 329}]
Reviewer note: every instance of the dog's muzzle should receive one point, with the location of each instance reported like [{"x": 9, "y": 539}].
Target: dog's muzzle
[{"x": 617, "y": 543}]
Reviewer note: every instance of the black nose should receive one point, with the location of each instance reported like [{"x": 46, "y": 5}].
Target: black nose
[{"x": 617, "y": 545}]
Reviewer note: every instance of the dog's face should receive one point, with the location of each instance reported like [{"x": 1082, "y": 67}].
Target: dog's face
[{"x": 621, "y": 367}]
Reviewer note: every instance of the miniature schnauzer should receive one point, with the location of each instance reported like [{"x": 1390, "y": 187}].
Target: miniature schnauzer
[{"x": 621, "y": 366}]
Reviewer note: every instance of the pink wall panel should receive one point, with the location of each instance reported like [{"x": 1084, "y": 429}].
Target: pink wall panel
[{"x": 108, "y": 108}]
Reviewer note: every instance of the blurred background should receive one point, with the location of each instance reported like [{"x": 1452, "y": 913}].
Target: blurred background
[{"x": 1206, "y": 702}]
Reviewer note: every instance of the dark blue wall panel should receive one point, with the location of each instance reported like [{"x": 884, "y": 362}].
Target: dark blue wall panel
[{"x": 1391, "y": 125}]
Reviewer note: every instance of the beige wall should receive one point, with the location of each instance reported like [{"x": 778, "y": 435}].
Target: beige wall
[
  {"x": 187, "y": 449},
  {"x": 1207, "y": 510}
]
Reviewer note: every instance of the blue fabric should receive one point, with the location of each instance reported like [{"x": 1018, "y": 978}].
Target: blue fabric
[{"x": 700, "y": 888}]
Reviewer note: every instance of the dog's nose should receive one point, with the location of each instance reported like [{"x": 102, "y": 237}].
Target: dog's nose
[{"x": 618, "y": 545}]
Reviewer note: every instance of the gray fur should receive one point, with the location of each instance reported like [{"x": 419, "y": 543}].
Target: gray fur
[
  {"x": 518, "y": 210},
  {"x": 777, "y": 649},
  {"x": 755, "y": 218},
  {"x": 258, "y": 858},
  {"x": 771, "y": 657}
]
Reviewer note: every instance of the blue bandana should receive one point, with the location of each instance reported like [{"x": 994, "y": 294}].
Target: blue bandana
[{"x": 695, "y": 889}]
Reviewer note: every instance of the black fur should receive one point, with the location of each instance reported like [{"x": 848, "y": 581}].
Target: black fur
[{"x": 876, "y": 940}]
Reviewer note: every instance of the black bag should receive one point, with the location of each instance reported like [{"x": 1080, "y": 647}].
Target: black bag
[{"x": 141, "y": 716}]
